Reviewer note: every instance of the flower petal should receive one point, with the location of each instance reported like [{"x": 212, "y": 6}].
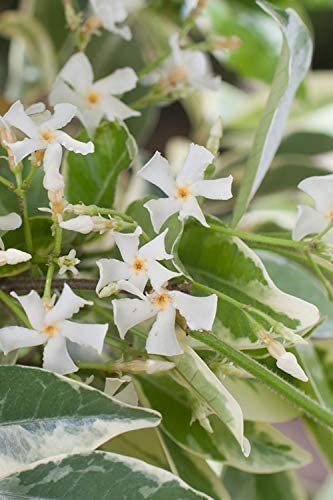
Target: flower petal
[
  {"x": 110, "y": 14},
  {"x": 19, "y": 119},
  {"x": 157, "y": 171},
  {"x": 162, "y": 337},
  {"x": 119, "y": 82},
  {"x": 12, "y": 257},
  {"x": 128, "y": 244},
  {"x": 320, "y": 188},
  {"x": 89, "y": 335},
  {"x": 111, "y": 270},
  {"x": 36, "y": 108},
  {"x": 216, "y": 189},
  {"x": 192, "y": 208},
  {"x": 308, "y": 221},
  {"x": 63, "y": 114},
  {"x": 131, "y": 312},
  {"x": 16, "y": 337},
  {"x": 195, "y": 164},
  {"x": 160, "y": 210},
  {"x": 22, "y": 149},
  {"x": 199, "y": 71},
  {"x": 53, "y": 180},
  {"x": 62, "y": 92},
  {"x": 289, "y": 364},
  {"x": 68, "y": 304},
  {"x": 10, "y": 221},
  {"x": 33, "y": 308},
  {"x": 139, "y": 281},
  {"x": 81, "y": 224},
  {"x": 199, "y": 312},
  {"x": 78, "y": 73},
  {"x": 155, "y": 249},
  {"x": 159, "y": 275},
  {"x": 115, "y": 109},
  {"x": 56, "y": 358},
  {"x": 71, "y": 144}
]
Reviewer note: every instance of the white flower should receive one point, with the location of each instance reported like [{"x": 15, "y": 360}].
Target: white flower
[
  {"x": 75, "y": 84},
  {"x": 86, "y": 224},
  {"x": 9, "y": 222},
  {"x": 111, "y": 13},
  {"x": 183, "y": 190},
  {"x": 139, "y": 264},
  {"x": 46, "y": 136},
  {"x": 50, "y": 326},
  {"x": 184, "y": 67},
  {"x": 286, "y": 361},
  {"x": 12, "y": 256},
  {"x": 314, "y": 220},
  {"x": 198, "y": 312},
  {"x": 68, "y": 263}
]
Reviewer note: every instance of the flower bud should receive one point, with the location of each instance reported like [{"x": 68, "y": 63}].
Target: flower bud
[{"x": 149, "y": 366}]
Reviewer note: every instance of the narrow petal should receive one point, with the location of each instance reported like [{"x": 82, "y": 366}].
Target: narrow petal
[
  {"x": 62, "y": 92},
  {"x": 177, "y": 53},
  {"x": 33, "y": 308},
  {"x": 128, "y": 244},
  {"x": 199, "y": 70},
  {"x": 159, "y": 275},
  {"x": 158, "y": 172},
  {"x": 90, "y": 118},
  {"x": 37, "y": 108},
  {"x": 216, "y": 189},
  {"x": 320, "y": 188},
  {"x": 196, "y": 162},
  {"x": 192, "y": 208},
  {"x": 16, "y": 337},
  {"x": 68, "y": 304},
  {"x": 71, "y": 144},
  {"x": 130, "y": 287},
  {"x": 131, "y": 312},
  {"x": 139, "y": 280},
  {"x": 22, "y": 149},
  {"x": 56, "y": 358},
  {"x": 160, "y": 210},
  {"x": 121, "y": 81},
  {"x": 111, "y": 270},
  {"x": 115, "y": 109},
  {"x": 289, "y": 364},
  {"x": 53, "y": 180},
  {"x": 19, "y": 119},
  {"x": 78, "y": 73},
  {"x": 308, "y": 221},
  {"x": 89, "y": 335},
  {"x": 81, "y": 224},
  {"x": 199, "y": 312},
  {"x": 10, "y": 221},
  {"x": 162, "y": 337},
  {"x": 12, "y": 256},
  {"x": 63, "y": 114},
  {"x": 155, "y": 249}
]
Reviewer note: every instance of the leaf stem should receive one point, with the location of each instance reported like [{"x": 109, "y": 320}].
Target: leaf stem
[
  {"x": 52, "y": 265},
  {"x": 24, "y": 209}
]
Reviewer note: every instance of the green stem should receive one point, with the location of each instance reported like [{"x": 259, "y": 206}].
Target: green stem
[
  {"x": 14, "y": 307},
  {"x": 25, "y": 212},
  {"x": 94, "y": 210},
  {"x": 272, "y": 380},
  {"x": 52, "y": 265},
  {"x": 7, "y": 183},
  {"x": 320, "y": 275}
]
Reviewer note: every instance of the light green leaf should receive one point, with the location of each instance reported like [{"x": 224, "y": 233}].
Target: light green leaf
[
  {"x": 293, "y": 65},
  {"x": 229, "y": 267},
  {"x": 45, "y": 415},
  {"x": 92, "y": 179},
  {"x": 97, "y": 475}
]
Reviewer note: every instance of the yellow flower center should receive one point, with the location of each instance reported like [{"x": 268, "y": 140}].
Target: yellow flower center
[
  {"x": 330, "y": 214},
  {"x": 162, "y": 300},
  {"x": 139, "y": 265},
  {"x": 183, "y": 193},
  {"x": 48, "y": 136},
  {"x": 93, "y": 98},
  {"x": 50, "y": 329}
]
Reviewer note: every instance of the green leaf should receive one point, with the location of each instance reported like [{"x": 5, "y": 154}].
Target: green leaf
[
  {"x": 97, "y": 475},
  {"x": 92, "y": 179},
  {"x": 229, "y": 267},
  {"x": 44, "y": 415},
  {"x": 293, "y": 65}
]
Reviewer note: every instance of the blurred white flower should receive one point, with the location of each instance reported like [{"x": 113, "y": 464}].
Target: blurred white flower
[
  {"x": 12, "y": 256},
  {"x": 46, "y": 136},
  {"x": 139, "y": 264},
  {"x": 75, "y": 84},
  {"x": 184, "y": 67},
  {"x": 315, "y": 220},
  {"x": 111, "y": 13},
  {"x": 183, "y": 190},
  {"x": 9, "y": 222},
  {"x": 86, "y": 224},
  {"x": 68, "y": 262},
  {"x": 50, "y": 326},
  {"x": 198, "y": 312}
]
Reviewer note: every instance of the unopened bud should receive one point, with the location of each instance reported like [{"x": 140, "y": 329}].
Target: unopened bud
[
  {"x": 57, "y": 202},
  {"x": 226, "y": 43},
  {"x": 108, "y": 290},
  {"x": 149, "y": 366},
  {"x": 215, "y": 137}
]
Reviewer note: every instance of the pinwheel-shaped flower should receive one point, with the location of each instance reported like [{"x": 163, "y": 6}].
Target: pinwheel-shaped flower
[
  {"x": 46, "y": 136},
  {"x": 183, "y": 190},
  {"x": 75, "y": 84},
  {"x": 140, "y": 264},
  {"x": 50, "y": 326},
  {"x": 11, "y": 256},
  {"x": 184, "y": 67},
  {"x": 315, "y": 220},
  {"x": 111, "y": 13},
  {"x": 198, "y": 312}
]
